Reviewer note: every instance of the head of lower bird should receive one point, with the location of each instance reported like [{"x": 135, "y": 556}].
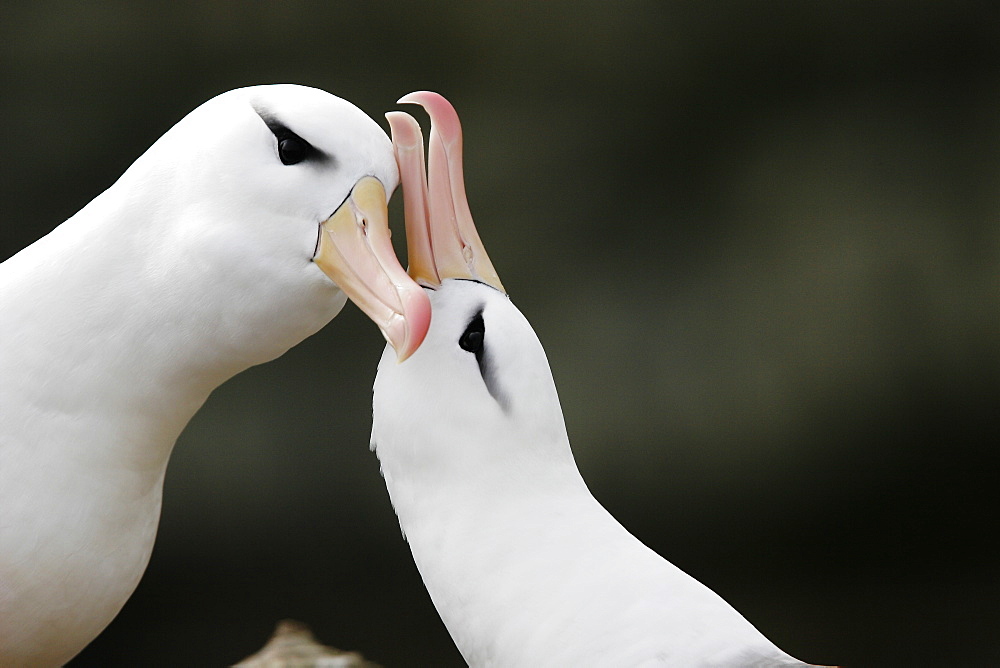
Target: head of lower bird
[{"x": 477, "y": 399}]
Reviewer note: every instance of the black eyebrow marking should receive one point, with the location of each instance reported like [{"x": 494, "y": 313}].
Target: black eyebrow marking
[
  {"x": 282, "y": 131},
  {"x": 487, "y": 369}
]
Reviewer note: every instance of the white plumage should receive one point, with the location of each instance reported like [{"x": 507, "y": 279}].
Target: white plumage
[
  {"x": 215, "y": 251},
  {"x": 524, "y": 566}
]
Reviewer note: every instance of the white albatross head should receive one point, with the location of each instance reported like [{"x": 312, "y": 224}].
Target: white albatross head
[
  {"x": 278, "y": 192},
  {"x": 477, "y": 395}
]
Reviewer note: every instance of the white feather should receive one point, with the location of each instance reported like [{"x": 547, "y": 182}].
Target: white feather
[
  {"x": 193, "y": 266},
  {"x": 524, "y": 566}
]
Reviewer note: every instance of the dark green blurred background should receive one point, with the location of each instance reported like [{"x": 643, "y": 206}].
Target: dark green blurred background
[{"x": 760, "y": 242}]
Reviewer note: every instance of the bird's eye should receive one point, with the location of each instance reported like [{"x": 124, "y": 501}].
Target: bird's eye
[
  {"x": 293, "y": 150},
  {"x": 472, "y": 338}
]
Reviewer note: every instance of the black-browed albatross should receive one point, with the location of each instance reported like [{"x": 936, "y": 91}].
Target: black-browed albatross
[
  {"x": 524, "y": 566},
  {"x": 239, "y": 233}
]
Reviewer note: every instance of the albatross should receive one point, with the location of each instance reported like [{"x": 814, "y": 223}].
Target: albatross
[
  {"x": 236, "y": 235},
  {"x": 524, "y": 566}
]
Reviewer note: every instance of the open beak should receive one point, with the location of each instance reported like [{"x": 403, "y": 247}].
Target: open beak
[
  {"x": 355, "y": 251},
  {"x": 441, "y": 237}
]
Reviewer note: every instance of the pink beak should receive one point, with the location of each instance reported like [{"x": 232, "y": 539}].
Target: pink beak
[{"x": 441, "y": 236}]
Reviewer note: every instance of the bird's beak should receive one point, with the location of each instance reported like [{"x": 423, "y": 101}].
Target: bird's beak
[
  {"x": 441, "y": 237},
  {"x": 355, "y": 251}
]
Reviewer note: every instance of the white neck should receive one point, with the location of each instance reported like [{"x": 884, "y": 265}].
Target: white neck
[
  {"x": 531, "y": 570},
  {"x": 473, "y": 543},
  {"x": 109, "y": 343}
]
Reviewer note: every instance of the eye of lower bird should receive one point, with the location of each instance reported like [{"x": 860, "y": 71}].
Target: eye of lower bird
[
  {"x": 293, "y": 150},
  {"x": 472, "y": 338}
]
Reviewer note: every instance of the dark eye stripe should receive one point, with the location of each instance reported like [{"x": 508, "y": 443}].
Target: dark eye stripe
[
  {"x": 473, "y": 340},
  {"x": 292, "y": 149}
]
